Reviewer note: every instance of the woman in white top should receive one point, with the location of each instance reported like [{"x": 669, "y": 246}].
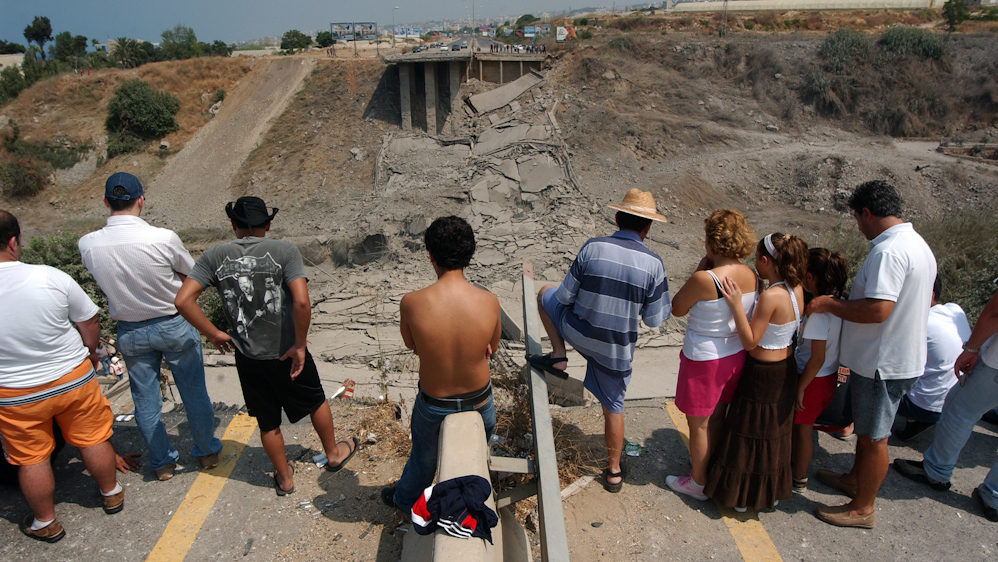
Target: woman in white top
[
  {"x": 751, "y": 465},
  {"x": 712, "y": 357}
]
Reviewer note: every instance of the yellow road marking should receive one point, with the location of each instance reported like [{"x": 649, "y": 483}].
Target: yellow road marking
[
  {"x": 183, "y": 527},
  {"x": 750, "y": 537}
]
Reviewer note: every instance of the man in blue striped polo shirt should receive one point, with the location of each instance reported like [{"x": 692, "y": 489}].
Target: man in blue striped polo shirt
[{"x": 613, "y": 281}]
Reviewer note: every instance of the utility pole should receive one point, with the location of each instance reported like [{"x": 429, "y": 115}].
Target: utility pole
[{"x": 393, "y": 27}]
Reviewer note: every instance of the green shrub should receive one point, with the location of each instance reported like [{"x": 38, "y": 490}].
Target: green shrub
[
  {"x": 585, "y": 34},
  {"x": 62, "y": 252},
  {"x": 749, "y": 25},
  {"x": 61, "y": 152},
  {"x": 11, "y": 83},
  {"x": 211, "y": 304},
  {"x": 123, "y": 143},
  {"x": 845, "y": 48},
  {"x": 141, "y": 111},
  {"x": 23, "y": 177},
  {"x": 219, "y": 95},
  {"x": 621, "y": 44},
  {"x": 902, "y": 41}
]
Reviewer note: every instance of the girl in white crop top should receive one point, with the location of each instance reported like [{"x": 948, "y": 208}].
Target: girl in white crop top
[{"x": 777, "y": 314}]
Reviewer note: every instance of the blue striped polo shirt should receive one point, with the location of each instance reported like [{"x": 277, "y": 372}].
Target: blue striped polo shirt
[{"x": 613, "y": 281}]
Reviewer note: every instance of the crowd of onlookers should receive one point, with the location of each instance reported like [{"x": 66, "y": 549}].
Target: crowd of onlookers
[{"x": 765, "y": 355}]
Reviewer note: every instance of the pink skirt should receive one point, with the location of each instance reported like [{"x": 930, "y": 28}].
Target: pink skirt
[{"x": 703, "y": 385}]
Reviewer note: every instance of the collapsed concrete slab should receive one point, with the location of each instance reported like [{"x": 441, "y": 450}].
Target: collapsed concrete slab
[
  {"x": 494, "y": 99},
  {"x": 538, "y": 172}
]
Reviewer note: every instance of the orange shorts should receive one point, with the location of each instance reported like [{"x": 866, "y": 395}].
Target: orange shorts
[{"x": 74, "y": 401}]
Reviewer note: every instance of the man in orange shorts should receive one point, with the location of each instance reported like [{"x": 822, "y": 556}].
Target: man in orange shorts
[{"x": 48, "y": 342}]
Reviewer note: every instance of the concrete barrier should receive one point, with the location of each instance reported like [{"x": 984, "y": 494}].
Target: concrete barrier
[{"x": 463, "y": 451}]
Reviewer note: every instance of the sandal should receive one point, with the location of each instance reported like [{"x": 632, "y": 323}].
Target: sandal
[
  {"x": 356, "y": 445},
  {"x": 800, "y": 483},
  {"x": 546, "y": 363},
  {"x": 614, "y": 488},
  {"x": 277, "y": 487}
]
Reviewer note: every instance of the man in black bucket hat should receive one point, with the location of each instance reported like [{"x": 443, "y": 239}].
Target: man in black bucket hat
[{"x": 267, "y": 334}]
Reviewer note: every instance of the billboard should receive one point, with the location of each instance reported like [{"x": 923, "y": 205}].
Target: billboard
[
  {"x": 563, "y": 33},
  {"x": 529, "y": 31},
  {"x": 346, "y": 31}
]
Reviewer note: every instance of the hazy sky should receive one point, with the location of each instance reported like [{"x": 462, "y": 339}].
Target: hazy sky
[{"x": 234, "y": 20}]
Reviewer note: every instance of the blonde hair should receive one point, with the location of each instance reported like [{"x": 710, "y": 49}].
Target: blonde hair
[{"x": 728, "y": 234}]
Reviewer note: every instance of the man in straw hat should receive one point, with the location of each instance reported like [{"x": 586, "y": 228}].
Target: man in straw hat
[
  {"x": 612, "y": 281},
  {"x": 268, "y": 333}
]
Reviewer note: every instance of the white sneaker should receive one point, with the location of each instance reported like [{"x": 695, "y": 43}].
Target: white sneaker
[{"x": 686, "y": 485}]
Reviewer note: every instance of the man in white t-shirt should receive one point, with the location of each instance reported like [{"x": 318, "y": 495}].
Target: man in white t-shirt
[
  {"x": 946, "y": 331},
  {"x": 883, "y": 342},
  {"x": 140, "y": 268},
  {"x": 49, "y": 349},
  {"x": 965, "y": 404}
]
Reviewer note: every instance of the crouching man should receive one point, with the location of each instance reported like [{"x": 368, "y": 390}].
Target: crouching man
[{"x": 453, "y": 327}]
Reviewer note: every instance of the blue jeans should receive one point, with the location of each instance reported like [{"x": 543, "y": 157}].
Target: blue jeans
[
  {"x": 964, "y": 406},
  {"x": 144, "y": 345},
  {"x": 422, "y": 464}
]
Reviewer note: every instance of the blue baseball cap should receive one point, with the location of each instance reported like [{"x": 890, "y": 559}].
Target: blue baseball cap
[{"x": 131, "y": 184}]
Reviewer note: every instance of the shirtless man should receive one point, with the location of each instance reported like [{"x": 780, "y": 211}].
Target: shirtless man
[{"x": 453, "y": 327}]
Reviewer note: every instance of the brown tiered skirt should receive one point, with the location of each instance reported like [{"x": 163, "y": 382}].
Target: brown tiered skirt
[{"x": 751, "y": 465}]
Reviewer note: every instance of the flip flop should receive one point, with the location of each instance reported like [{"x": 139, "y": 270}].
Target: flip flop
[
  {"x": 277, "y": 487},
  {"x": 546, "y": 363},
  {"x": 356, "y": 445}
]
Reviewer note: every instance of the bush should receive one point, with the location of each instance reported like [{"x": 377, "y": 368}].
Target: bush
[
  {"x": 22, "y": 178},
  {"x": 219, "y": 95},
  {"x": 844, "y": 49},
  {"x": 902, "y": 41},
  {"x": 138, "y": 112},
  {"x": 123, "y": 143},
  {"x": 60, "y": 153},
  {"x": 11, "y": 83},
  {"x": 585, "y": 34},
  {"x": 621, "y": 44}
]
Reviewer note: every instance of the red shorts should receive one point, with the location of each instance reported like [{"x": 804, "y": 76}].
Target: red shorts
[
  {"x": 817, "y": 396},
  {"x": 82, "y": 412},
  {"x": 702, "y": 385}
]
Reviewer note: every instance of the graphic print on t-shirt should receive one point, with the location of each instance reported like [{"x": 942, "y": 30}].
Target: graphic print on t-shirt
[{"x": 250, "y": 287}]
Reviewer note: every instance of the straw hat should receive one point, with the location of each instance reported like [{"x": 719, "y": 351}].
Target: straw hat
[{"x": 639, "y": 203}]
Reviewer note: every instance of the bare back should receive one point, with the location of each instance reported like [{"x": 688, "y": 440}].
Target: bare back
[{"x": 452, "y": 326}]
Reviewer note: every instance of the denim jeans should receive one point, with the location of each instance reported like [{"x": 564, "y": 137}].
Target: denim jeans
[
  {"x": 422, "y": 464},
  {"x": 964, "y": 406},
  {"x": 144, "y": 345}
]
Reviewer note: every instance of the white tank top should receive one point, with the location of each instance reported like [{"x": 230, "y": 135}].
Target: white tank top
[
  {"x": 779, "y": 336},
  {"x": 710, "y": 330}
]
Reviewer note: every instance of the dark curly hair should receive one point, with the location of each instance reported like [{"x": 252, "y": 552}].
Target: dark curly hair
[
  {"x": 451, "y": 242},
  {"x": 879, "y": 197},
  {"x": 829, "y": 269},
  {"x": 791, "y": 260},
  {"x": 9, "y": 228},
  {"x": 728, "y": 234}
]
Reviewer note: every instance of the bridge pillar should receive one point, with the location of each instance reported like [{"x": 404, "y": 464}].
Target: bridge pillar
[
  {"x": 404, "y": 94},
  {"x": 455, "y": 85},
  {"x": 429, "y": 70}
]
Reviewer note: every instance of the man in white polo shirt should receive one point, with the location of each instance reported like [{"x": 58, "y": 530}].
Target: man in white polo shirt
[
  {"x": 977, "y": 369},
  {"x": 140, "y": 268},
  {"x": 48, "y": 343},
  {"x": 883, "y": 342}
]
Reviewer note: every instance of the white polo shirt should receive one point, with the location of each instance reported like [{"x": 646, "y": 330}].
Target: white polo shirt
[
  {"x": 899, "y": 268},
  {"x": 946, "y": 331},
  {"x": 137, "y": 267},
  {"x": 38, "y": 341}
]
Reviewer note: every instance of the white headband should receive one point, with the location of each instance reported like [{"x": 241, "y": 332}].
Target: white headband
[{"x": 768, "y": 242}]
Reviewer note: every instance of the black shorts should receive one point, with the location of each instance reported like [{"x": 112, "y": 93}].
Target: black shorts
[{"x": 267, "y": 387}]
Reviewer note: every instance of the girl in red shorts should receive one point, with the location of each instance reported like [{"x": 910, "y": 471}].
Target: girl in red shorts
[{"x": 817, "y": 356}]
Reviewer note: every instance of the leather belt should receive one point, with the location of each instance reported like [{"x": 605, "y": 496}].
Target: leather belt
[{"x": 459, "y": 404}]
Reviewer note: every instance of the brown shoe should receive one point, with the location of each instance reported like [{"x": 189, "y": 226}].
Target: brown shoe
[
  {"x": 114, "y": 503},
  {"x": 209, "y": 462},
  {"x": 834, "y": 480},
  {"x": 842, "y": 516},
  {"x": 53, "y": 532},
  {"x": 165, "y": 472}
]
